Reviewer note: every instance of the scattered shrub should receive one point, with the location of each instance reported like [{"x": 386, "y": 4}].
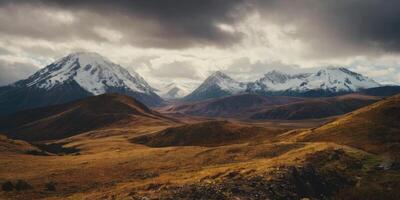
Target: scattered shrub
[
  {"x": 7, "y": 186},
  {"x": 22, "y": 185},
  {"x": 51, "y": 186}
]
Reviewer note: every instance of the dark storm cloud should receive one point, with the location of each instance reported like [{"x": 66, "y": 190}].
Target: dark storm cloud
[
  {"x": 330, "y": 27},
  {"x": 340, "y": 26},
  {"x": 155, "y": 23}
]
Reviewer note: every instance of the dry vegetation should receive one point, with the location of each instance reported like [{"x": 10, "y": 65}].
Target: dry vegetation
[{"x": 347, "y": 158}]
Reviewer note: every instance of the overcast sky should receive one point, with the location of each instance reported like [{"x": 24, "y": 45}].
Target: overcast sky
[{"x": 186, "y": 40}]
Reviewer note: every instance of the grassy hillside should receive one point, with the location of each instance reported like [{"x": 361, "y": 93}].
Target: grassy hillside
[
  {"x": 212, "y": 133},
  {"x": 315, "y": 108},
  {"x": 352, "y": 157},
  {"x": 65, "y": 120},
  {"x": 374, "y": 128}
]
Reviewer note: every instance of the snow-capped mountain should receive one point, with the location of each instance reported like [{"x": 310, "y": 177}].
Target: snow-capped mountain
[
  {"x": 76, "y": 76},
  {"x": 338, "y": 79},
  {"x": 174, "y": 90},
  {"x": 91, "y": 71},
  {"x": 276, "y": 81},
  {"x": 327, "y": 81},
  {"x": 216, "y": 85}
]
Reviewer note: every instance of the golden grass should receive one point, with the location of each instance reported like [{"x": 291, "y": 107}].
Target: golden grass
[{"x": 109, "y": 166}]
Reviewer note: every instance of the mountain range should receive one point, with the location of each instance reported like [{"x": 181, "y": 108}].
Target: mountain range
[
  {"x": 226, "y": 140},
  {"x": 75, "y": 76},
  {"x": 85, "y": 74},
  {"x": 330, "y": 81}
]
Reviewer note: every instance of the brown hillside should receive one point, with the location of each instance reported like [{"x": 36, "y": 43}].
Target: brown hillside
[
  {"x": 16, "y": 146},
  {"x": 375, "y": 128},
  {"x": 240, "y": 105},
  {"x": 316, "y": 108},
  {"x": 212, "y": 133},
  {"x": 65, "y": 120}
]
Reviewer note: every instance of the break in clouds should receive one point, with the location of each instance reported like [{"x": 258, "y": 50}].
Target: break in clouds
[{"x": 186, "y": 40}]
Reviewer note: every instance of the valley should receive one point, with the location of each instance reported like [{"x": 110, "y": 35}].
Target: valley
[
  {"x": 157, "y": 157},
  {"x": 117, "y": 139},
  {"x": 199, "y": 100}
]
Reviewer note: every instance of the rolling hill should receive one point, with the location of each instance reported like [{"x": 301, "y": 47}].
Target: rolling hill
[
  {"x": 16, "y": 146},
  {"x": 239, "y": 106},
  {"x": 315, "y": 107},
  {"x": 258, "y": 107},
  {"x": 212, "y": 133},
  {"x": 374, "y": 128},
  {"x": 388, "y": 90},
  {"x": 209, "y": 160},
  {"x": 65, "y": 120}
]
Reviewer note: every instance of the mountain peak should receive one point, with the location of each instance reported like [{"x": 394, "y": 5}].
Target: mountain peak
[
  {"x": 332, "y": 69},
  {"x": 219, "y": 74},
  {"x": 216, "y": 85},
  {"x": 275, "y": 72},
  {"x": 86, "y": 58},
  {"x": 340, "y": 79},
  {"x": 219, "y": 78},
  {"x": 93, "y": 72},
  {"x": 173, "y": 90},
  {"x": 78, "y": 75},
  {"x": 336, "y": 68},
  {"x": 275, "y": 76}
]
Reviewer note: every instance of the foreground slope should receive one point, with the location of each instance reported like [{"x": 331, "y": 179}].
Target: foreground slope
[
  {"x": 75, "y": 76},
  {"x": 210, "y": 164},
  {"x": 374, "y": 128},
  {"x": 64, "y": 120}
]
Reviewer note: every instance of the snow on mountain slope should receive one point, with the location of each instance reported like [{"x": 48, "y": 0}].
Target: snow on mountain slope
[
  {"x": 174, "y": 90},
  {"x": 91, "y": 71},
  {"x": 330, "y": 79},
  {"x": 73, "y": 77},
  {"x": 216, "y": 85},
  {"x": 338, "y": 79},
  {"x": 277, "y": 81},
  {"x": 223, "y": 81}
]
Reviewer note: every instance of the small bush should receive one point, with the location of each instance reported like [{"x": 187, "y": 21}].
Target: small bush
[
  {"x": 50, "y": 186},
  {"x": 22, "y": 185},
  {"x": 7, "y": 186}
]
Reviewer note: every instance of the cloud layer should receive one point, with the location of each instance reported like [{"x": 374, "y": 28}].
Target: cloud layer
[{"x": 244, "y": 38}]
